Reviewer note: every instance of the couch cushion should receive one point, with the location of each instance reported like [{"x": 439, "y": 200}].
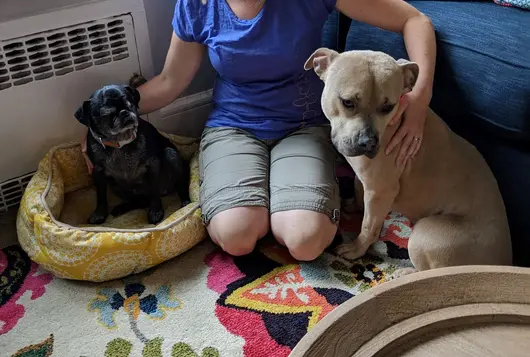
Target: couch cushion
[{"x": 483, "y": 64}]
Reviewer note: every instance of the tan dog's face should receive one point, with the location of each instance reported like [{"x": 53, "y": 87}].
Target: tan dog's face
[{"x": 361, "y": 95}]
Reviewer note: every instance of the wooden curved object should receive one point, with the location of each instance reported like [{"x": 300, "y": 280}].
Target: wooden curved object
[{"x": 474, "y": 311}]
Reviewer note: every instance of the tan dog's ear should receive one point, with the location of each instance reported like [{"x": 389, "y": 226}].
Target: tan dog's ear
[
  {"x": 320, "y": 60},
  {"x": 411, "y": 70}
]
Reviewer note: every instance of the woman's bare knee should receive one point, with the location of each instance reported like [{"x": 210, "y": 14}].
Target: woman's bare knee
[
  {"x": 238, "y": 229},
  {"x": 305, "y": 233}
]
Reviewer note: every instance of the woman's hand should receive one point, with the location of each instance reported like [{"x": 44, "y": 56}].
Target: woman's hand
[
  {"x": 413, "y": 107},
  {"x": 89, "y": 164}
]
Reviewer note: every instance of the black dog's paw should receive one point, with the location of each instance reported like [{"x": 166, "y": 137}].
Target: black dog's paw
[
  {"x": 155, "y": 216},
  {"x": 97, "y": 218}
]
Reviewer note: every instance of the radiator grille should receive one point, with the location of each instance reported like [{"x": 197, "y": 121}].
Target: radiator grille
[
  {"x": 11, "y": 191},
  {"x": 60, "y": 52}
]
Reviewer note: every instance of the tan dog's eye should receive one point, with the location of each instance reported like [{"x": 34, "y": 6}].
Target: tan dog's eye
[
  {"x": 347, "y": 103},
  {"x": 387, "y": 108}
]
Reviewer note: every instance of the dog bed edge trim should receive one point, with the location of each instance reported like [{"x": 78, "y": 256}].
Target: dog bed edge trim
[{"x": 44, "y": 194}]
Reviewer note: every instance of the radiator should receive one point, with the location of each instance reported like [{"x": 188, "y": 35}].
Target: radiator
[{"x": 49, "y": 64}]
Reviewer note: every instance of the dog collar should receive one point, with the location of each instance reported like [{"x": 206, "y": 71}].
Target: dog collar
[{"x": 114, "y": 144}]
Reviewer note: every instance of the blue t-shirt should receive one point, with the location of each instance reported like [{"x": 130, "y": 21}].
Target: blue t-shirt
[{"x": 261, "y": 85}]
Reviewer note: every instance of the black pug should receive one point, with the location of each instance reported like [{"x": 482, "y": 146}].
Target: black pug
[{"x": 128, "y": 154}]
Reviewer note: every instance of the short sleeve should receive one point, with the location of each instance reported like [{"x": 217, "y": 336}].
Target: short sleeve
[
  {"x": 330, "y": 5},
  {"x": 185, "y": 20}
]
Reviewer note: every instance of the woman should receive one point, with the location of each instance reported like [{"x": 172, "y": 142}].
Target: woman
[{"x": 266, "y": 158}]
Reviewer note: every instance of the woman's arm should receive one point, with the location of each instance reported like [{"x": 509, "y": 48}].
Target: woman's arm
[
  {"x": 398, "y": 16},
  {"x": 418, "y": 32},
  {"x": 182, "y": 63}
]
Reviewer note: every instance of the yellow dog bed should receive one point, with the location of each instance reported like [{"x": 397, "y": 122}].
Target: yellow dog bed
[{"x": 52, "y": 218}]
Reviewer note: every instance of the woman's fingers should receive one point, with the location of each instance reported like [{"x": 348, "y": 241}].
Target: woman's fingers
[
  {"x": 414, "y": 147},
  {"x": 403, "y": 104},
  {"x": 417, "y": 147},
  {"x": 396, "y": 139},
  {"x": 89, "y": 164},
  {"x": 407, "y": 143}
]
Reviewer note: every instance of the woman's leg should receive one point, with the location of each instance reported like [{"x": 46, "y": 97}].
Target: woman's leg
[
  {"x": 305, "y": 201},
  {"x": 234, "y": 193}
]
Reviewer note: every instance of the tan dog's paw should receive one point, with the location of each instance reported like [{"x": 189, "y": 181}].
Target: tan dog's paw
[
  {"x": 351, "y": 251},
  {"x": 401, "y": 272}
]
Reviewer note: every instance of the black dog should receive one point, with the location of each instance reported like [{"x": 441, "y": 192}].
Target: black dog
[{"x": 138, "y": 163}]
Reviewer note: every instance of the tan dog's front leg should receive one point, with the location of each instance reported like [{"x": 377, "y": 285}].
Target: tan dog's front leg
[{"x": 376, "y": 208}]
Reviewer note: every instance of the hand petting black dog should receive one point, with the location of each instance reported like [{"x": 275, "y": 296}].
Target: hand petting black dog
[{"x": 128, "y": 154}]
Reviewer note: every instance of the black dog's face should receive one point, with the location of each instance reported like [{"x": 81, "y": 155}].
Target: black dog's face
[{"x": 111, "y": 112}]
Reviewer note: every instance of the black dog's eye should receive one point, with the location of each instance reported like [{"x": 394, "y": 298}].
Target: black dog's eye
[
  {"x": 347, "y": 103},
  {"x": 387, "y": 108}
]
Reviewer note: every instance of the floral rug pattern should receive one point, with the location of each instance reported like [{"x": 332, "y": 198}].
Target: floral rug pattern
[{"x": 203, "y": 303}]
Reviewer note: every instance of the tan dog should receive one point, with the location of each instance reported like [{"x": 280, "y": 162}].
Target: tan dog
[{"x": 448, "y": 189}]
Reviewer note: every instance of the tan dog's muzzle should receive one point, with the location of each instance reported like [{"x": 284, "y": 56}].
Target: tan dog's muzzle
[{"x": 363, "y": 142}]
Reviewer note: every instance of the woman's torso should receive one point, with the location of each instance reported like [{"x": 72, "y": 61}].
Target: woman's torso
[{"x": 261, "y": 85}]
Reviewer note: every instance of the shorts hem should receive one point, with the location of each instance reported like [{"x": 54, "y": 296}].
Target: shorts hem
[
  {"x": 332, "y": 213},
  {"x": 214, "y": 209},
  {"x": 207, "y": 217}
]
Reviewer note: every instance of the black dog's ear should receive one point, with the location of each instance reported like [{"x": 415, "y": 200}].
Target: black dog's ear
[
  {"x": 135, "y": 95},
  {"x": 83, "y": 113}
]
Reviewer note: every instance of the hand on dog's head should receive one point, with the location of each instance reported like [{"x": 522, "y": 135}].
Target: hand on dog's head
[{"x": 111, "y": 112}]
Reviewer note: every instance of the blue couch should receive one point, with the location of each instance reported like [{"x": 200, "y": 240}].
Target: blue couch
[{"x": 482, "y": 88}]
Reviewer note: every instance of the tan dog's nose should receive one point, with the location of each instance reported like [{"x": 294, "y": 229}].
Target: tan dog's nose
[
  {"x": 367, "y": 143},
  {"x": 363, "y": 142}
]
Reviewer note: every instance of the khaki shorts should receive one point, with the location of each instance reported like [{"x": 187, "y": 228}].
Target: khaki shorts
[{"x": 294, "y": 173}]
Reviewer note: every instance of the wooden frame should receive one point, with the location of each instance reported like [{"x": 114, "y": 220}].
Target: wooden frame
[{"x": 452, "y": 310}]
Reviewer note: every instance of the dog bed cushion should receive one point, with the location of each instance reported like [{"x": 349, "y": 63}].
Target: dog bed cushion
[{"x": 52, "y": 218}]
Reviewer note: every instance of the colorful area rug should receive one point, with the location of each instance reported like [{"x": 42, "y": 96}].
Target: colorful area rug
[
  {"x": 201, "y": 304},
  {"x": 523, "y": 4}
]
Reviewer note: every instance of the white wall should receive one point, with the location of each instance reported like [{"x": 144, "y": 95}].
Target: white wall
[{"x": 15, "y": 9}]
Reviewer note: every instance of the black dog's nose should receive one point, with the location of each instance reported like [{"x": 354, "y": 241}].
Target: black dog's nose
[
  {"x": 126, "y": 118},
  {"x": 123, "y": 114}
]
